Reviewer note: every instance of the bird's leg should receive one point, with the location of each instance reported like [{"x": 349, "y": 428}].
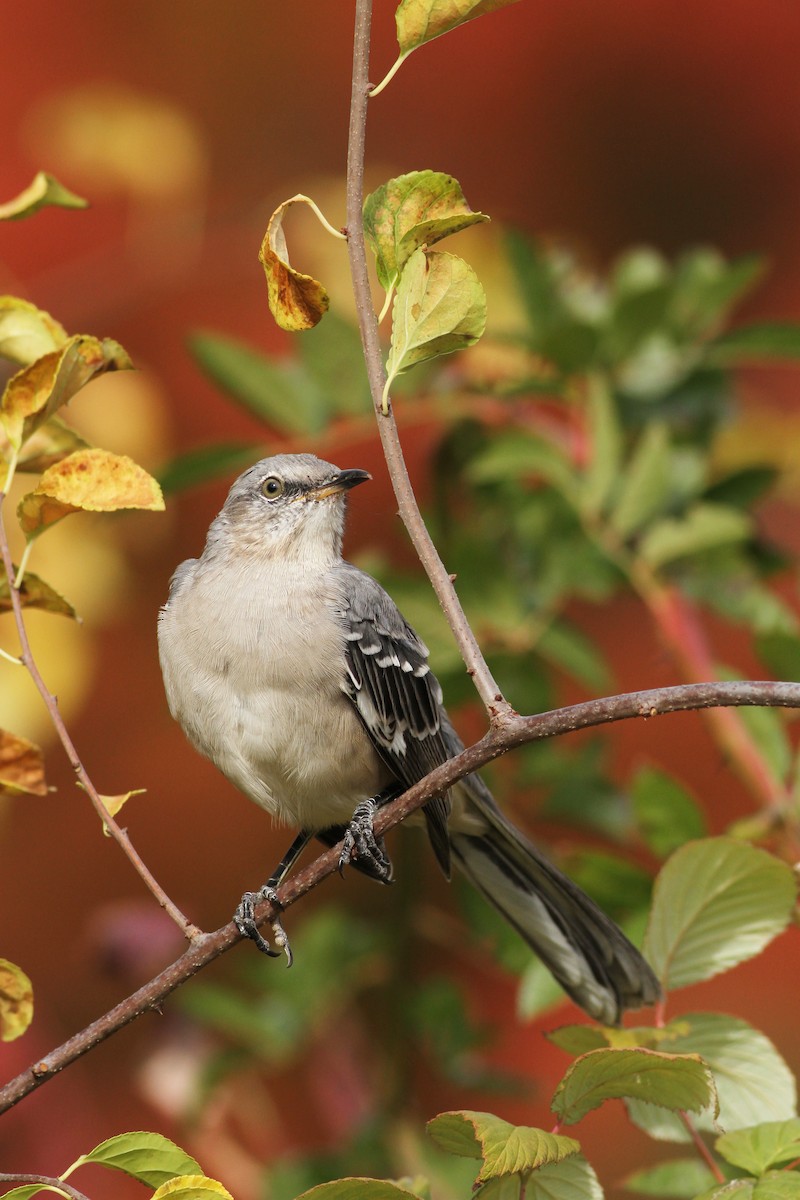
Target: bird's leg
[
  {"x": 360, "y": 841},
  {"x": 243, "y": 917}
]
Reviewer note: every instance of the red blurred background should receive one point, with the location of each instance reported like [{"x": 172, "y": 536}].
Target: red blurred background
[{"x": 607, "y": 124}]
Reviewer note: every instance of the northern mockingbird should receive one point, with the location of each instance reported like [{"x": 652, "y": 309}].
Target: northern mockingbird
[{"x": 297, "y": 675}]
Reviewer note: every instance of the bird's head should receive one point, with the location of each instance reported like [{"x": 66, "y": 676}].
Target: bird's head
[{"x": 291, "y": 505}]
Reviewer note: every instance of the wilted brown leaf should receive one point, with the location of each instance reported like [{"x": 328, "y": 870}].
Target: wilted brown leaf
[
  {"x": 21, "y": 766},
  {"x": 16, "y": 1001},
  {"x": 35, "y": 593},
  {"x": 35, "y": 393},
  {"x": 296, "y": 301},
  {"x": 88, "y": 481},
  {"x": 48, "y": 445}
]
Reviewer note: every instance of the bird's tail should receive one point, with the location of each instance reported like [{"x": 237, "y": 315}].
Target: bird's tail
[{"x": 586, "y": 952}]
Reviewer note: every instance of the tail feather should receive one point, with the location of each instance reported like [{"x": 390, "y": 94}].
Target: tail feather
[{"x": 586, "y": 952}]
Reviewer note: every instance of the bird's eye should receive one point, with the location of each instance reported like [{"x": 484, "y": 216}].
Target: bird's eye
[{"x": 272, "y": 487}]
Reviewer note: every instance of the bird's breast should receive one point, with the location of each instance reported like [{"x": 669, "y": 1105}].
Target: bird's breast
[{"x": 254, "y": 676}]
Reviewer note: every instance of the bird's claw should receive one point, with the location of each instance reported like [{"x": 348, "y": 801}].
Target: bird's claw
[
  {"x": 244, "y": 920},
  {"x": 360, "y": 842}
]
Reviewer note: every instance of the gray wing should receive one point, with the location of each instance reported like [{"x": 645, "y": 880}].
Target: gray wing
[{"x": 395, "y": 693}]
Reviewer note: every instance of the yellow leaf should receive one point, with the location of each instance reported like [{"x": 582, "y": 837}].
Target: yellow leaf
[
  {"x": 296, "y": 301},
  {"x": 21, "y": 766},
  {"x": 16, "y": 1001},
  {"x": 192, "y": 1187},
  {"x": 44, "y": 189},
  {"x": 27, "y": 332},
  {"x": 420, "y": 21},
  {"x": 35, "y": 393},
  {"x": 88, "y": 481},
  {"x": 113, "y": 804}
]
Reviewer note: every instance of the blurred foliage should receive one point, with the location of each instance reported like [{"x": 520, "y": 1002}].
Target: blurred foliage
[{"x": 576, "y": 462}]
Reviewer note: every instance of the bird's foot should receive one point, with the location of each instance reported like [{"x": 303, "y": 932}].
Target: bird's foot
[
  {"x": 244, "y": 920},
  {"x": 360, "y": 842}
]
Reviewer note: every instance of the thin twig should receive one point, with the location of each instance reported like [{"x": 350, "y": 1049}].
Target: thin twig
[
  {"x": 515, "y": 732},
  {"x": 47, "y": 1181},
  {"x": 498, "y": 708},
  {"x": 119, "y": 835}
]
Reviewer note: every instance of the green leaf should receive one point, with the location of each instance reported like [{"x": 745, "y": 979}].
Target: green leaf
[
  {"x": 505, "y": 1149},
  {"x": 781, "y": 653},
  {"x": 768, "y": 729},
  {"x": 571, "y": 650},
  {"x": 705, "y": 287},
  {"x": 742, "y": 488},
  {"x": 674, "y": 1081},
  {"x": 439, "y": 307},
  {"x": 536, "y": 284},
  {"x": 605, "y": 440},
  {"x": 760, "y": 1147},
  {"x": 192, "y": 1187},
  {"x": 277, "y": 394},
  {"x": 754, "y": 343},
  {"x": 578, "y": 1039},
  {"x": 356, "y": 1189},
  {"x": 716, "y": 903},
  {"x": 333, "y": 358},
  {"x": 704, "y": 527},
  {"x": 776, "y": 1185},
  {"x": 521, "y": 456},
  {"x": 25, "y": 1193},
  {"x": 666, "y": 813},
  {"x": 411, "y": 211},
  {"x": 206, "y": 463},
  {"x": 572, "y": 1179},
  {"x": 43, "y": 190},
  {"x": 754, "y": 1083},
  {"x": 681, "y": 1178},
  {"x": 149, "y": 1157},
  {"x": 645, "y": 484},
  {"x": 420, "y": 21}
]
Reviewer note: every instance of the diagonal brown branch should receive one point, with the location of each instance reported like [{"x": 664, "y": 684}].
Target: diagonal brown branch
[
  {"x": 119, "y": 835},
  {"x": 497, "y": 707},
  {"x": 516, "y": 731}
]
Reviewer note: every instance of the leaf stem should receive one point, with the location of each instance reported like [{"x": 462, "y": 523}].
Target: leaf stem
[
  {"x": 323, "y": 220},
  {"x": 119, "y": 835},
  {"x": 497, "y": 707},
  {"x": 389, "y": 76},
  {"x": 23, "y": 565}
]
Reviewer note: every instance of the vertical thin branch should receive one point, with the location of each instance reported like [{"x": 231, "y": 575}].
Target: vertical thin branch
[
  {"x": 119, "y": 835},
  {"x": 497, "y": 707},
  {"x": 701, "y": 1148}
]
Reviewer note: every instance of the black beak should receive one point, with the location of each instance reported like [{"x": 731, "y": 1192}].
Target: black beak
[{"x": 340, "y": 483}]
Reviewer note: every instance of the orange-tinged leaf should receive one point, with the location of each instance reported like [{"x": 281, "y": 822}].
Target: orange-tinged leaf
[
  {"x": 43, "y": 190},
  {"x": 420, "y": 21},
  {"x": 35, "y": 393},
  {"x": 296, "y": 301},
  {"x": 35, "y": 593},
  {"x": 88, "y": 481},
  {"x": 21, "y": 766},
  {"x": 16, "y": 1001},
  {"x": 27, "y": 332}
]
